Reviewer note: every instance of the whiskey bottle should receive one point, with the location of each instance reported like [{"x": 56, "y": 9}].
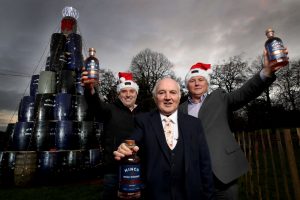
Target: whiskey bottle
[
  {"x": 91, "y": 65},
  {"x": 130, "y": 175},
  {"x": 275, "y": 49}
]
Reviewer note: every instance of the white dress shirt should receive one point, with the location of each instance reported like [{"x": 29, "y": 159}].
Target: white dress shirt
[{"x": 174, "y": 121}]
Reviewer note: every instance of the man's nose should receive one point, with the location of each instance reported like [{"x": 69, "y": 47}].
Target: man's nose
[{"x": 167, "y": 95}]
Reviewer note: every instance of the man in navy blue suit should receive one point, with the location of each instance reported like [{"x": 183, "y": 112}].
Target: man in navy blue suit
[{"x": 180, "y": 168}]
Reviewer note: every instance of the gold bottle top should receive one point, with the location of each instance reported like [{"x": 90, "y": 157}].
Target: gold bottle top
[
  {"x": 130, "y": 143},
  {"x": 270, "y": 32},
  {"x": 92, "y": 51}
]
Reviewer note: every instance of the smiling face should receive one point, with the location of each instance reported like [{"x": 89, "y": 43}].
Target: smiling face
[
  {"x": 167, "y": 96},
  {"x": 128, "y": 97},
  {"x": 197, "y": 86}
]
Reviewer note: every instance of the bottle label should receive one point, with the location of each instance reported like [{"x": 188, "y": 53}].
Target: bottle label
[
  {"x": 129, "y": 178},
  {"x": 275, "y": 50},
  {"x": 92, "y": 67}
]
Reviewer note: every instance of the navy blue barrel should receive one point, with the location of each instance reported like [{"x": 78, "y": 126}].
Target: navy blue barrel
[
  {"x": 47, "y": 65},
  {"x": 74, "y": 61},
  {"x": 58, "y": 42},
  {"x": 87, "y": 136},
  {"x": 94, "y": 158},
  {"x": 81, "y": 109},
  {"x": 7, "y": 166},
  {"x": 49, "y": 166},
  {"x": 62, "y": 159},
  {"x": 44, "y": 136},
  {"x": 63, "y": 109},
  {"x": 57, "y": 49},
  {"x": 44, "y": 107},
  {"x": 66, "y": 137},
  {"x": 6, "y": 137},
  {"x": 66, "y": 82},
  {"x": 73, "y": 49},
  {"x": 74, "y": 160},
  {"x": 3, "y": 141},
  {"x": 34, "y": 84},
  {"x": 79, "y": 88},
  {"x": 47, "y": 162},
  {"x": 8, "y": 143},
  {"x": 98, "y": 129},
  {"x": 22, "y": 136},
  {"x": 73, "y": 43},
  {"x": 26, "y": 109}
]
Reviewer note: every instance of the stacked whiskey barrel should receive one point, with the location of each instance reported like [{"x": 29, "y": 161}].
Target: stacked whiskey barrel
[{"x": 55, "y": 136}]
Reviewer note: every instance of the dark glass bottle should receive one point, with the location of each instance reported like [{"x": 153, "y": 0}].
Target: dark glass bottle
[
  {"x": 275, "y": 49},
  {"x": 91, "y": 65},
  {"x": 130, "y": 175}
]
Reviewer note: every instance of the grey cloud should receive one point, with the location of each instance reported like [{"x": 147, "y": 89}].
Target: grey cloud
[{"x": 185, "y": 31}]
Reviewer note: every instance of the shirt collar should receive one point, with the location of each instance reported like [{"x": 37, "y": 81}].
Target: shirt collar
[
  {"x": 173, "y": 117},
  {"x": 190, "y": 101}
]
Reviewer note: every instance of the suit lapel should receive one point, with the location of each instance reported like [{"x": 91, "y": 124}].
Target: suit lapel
[
  {"x": 184, "y": 107},
  {"x": 185, "y": 137},
  {"x": 203, "y": 107},
  {"x": 159, "y": 133}
]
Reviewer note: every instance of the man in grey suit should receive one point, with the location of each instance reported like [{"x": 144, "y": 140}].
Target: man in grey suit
[
  {"x": 228, "y": 159},
  {"x": 178, "y": 168}
]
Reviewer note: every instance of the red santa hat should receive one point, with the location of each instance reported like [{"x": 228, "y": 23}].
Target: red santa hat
[
  {"x": 126, "y": 81},
  {"x": 199, "y": 69}
]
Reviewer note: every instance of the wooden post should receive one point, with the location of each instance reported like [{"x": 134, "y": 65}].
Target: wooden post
[
  {"x": 257, "y": 165},
  {"x": 292, "y": 162},
  {"x": 250, "y": 164},
  {"x": 282, "y": 164},
  {"x": 298, "y": 134},
  {"x": 247, "y": 174},
  {"x": 273, "y": 166},
  {"x": 265, "y": 165}
]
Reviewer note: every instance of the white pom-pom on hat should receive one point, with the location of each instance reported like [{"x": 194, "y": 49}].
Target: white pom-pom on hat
[{"x": 122, "y": 79}]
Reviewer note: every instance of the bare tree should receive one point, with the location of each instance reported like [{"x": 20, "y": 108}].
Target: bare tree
[
  {"x": 108, "y": 86},
  {"x": 147, "y": 67},
  {"x": 230, "y": 75},
  {"x": 289, "y": 86},
  {"x": 256, "y": 66}
]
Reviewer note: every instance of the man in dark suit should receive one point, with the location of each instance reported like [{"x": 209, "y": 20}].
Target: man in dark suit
[
  {"x": 228, "y": 160},
  {"x": 178, "y": 168}
]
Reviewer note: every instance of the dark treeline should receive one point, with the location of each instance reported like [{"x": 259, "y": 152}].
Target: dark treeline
[{"x": 278, "y": 106}]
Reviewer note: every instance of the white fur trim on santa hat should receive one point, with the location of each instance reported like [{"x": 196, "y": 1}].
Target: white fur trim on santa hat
[
  {"x": 198, "y": 72},
  {"x": 127, "y": 84}
]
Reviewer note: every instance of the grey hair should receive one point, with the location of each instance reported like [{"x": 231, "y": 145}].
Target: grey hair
[{"x": 158, "y": 82}]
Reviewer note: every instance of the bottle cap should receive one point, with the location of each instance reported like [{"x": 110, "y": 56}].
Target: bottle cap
[
  {"x": 92, "y": 49},
  {"x": 130, "y": 142},
  {"x": 269, "y": 30}
]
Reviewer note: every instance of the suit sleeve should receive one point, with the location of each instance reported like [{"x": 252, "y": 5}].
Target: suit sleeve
[
  {"x": 249, "y": 91},
  {"x": 96, "y": 106},
  {"x": 138, "y": 130},
  {"x": 205, "y": 166}
]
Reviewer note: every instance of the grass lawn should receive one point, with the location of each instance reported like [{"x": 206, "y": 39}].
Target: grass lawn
[{"x": 81, "y": 190}]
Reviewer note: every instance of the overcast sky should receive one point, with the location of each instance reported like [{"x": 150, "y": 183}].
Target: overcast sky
[{"x": 185, "y": 31}]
